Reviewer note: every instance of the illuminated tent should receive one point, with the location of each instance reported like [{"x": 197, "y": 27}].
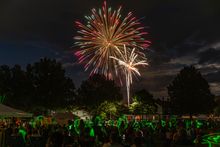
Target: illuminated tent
[{"x": 6, "y": 111}]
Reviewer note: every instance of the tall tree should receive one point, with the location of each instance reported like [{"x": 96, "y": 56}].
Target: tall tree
[
  {"x": 19, "y": 87},
  {"x": 43, "y": 85},
  {"x": 52, "y": 88},
  {"x": 189, "y": 93},
  {"x": 96, "y": 90}
]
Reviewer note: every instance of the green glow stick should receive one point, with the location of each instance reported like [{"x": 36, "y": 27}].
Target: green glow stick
[
  {"x": 76, "y": 126},
  {"x": 119, "y": 122},
  {"x": 92, "y": 132}
]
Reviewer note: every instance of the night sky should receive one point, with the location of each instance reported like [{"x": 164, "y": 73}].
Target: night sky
[{"x": 183, "y": 32}]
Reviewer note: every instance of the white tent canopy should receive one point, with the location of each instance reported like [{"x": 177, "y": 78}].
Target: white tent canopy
[{"x": 6, "y": 111}]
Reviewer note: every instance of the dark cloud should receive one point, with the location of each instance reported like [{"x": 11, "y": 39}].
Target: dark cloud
[
  {"x": 157, "y": 58},
  {"x": 209, "y": 56},
  {"x": 215, "y": 88},
  {"x": 50, "y": 20},
  {"x": 213, "y": 77},
  {"x": 155, "y": 84}
]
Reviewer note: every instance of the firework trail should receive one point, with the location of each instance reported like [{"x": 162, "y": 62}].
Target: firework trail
[{"x": 128, "y": 62}]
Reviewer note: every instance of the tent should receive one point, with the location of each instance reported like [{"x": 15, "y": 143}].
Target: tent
[{"x": 6, "y": 111}]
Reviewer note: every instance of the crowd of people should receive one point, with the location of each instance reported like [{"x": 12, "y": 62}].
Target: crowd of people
[{"x": 112, "y": 133}]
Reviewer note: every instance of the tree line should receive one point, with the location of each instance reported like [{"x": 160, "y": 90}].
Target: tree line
[{"x": 43, "y": 85}]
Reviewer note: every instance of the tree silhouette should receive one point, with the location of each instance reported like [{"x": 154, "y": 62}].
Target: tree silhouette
[
  {"x": 42, "y": 85},
  {"x": 20, "y": 89},
  {"x": 189, "y": 93},
  {"x": 96, "y": 90},
  {"x": 52, "y": 88}
]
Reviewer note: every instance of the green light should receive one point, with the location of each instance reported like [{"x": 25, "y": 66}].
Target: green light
[
  {"x": 2, "y": 99},
  {"x": 136, "y": 126},
  {"x": 199, "y": 124},
  {"x": 111, "y": 122},
  {"x": 76, "y": 126},
  {"x": 88, "y": 124},
  {"x": 70, "y": 127},
  {"x": 98, "y": 120},
  {"x": 170, "y": 124},
  {"x": 211, "y": 139},
  {"x": 92, "y": 132},
  {"x": 23, "y": 134},
  {"x": 119, "y": 122},
  {"x": 163, "y": 123}
]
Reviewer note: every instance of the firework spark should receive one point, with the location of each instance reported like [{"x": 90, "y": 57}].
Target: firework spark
[
  {"x": 128, "y": 62},
  {"x": 104, "y": 30}
]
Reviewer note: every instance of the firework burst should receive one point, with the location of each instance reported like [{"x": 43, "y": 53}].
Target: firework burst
[
  {"x": 104, "y": 30},
  {"x": 128, "y": 62}
]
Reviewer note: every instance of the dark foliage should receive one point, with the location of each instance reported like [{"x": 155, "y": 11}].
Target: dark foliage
[
  {"x": 42, "y": 85},
  {"x": 146, "y": 104},
  {"x": 96, "y": 90},
  {"x": 189, "y": 93}
]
